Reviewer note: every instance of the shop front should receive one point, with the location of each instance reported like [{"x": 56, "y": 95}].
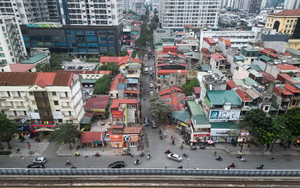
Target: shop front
[
  {"x": 131, "y": 140},
  {"x": 116, "y": 141},
  {"x": 224, "y": 132},
  {"x": 43, "y": 130},
  {"x": 92, "y": 139},
  {"x": 23, "y": 131}
]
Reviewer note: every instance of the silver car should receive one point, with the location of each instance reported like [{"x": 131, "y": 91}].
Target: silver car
[
  {"x": 41, "y": 160},
  {"x": 175, "y": 157}
]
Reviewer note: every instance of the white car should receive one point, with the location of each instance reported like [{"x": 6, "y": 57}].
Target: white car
[
  {"x": 41, "y": 160},
  {"x": 151, "y": 93},
  {"x": 151, "y": 85},
  {"x": 151, "y": 68},
  {"x": 175, "y": 157}
]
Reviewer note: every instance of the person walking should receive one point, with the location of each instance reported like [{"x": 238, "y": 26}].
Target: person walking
[{"x": 215, "y": 153}]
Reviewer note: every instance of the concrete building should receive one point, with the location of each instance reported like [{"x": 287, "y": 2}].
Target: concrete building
[
  {"x": 12, "y": 48},
  {"x": 45, "y": 99},
  {"x": 210, "y": 44},
  {"x": 125, "y": 111},
  {"x": 26, "y": 11},
  {"x": 255, "y": 6},
  {"x": 276, "y": 42},
  {"x": 176, "y": 14},
  {"x": 169, "y": 78},
  {"x": 159, "y": 33},
  {"x": 291, "y": 4},
  {"x": 249, "y": 54},
  {"x": 217, "y": 61}
]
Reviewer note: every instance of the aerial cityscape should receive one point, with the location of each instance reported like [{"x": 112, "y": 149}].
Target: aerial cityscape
[{"x": 150, "y": 86}]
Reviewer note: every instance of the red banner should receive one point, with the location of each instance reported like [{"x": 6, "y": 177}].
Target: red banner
[
  {"x": 117, "y": 114},
  {"x": 116, "y": 138},
  {"x": 201, "y": 135},
  {"x": 38, "y": 125},
  {"x": 134, "y": 138}
]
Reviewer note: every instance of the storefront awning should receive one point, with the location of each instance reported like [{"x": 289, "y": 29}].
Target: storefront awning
[
  {"x": 99, "y": 113},
  {"x": 44, "y": 129},
  {"x": 85, "y": 120},
  {"x": 131, "y": 91},
  {"x": 90, "y": 137},
  {"x": 42, "y": 125}
]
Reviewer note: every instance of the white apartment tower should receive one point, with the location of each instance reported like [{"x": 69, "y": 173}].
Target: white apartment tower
[
  {"x": 91, "y": 12},
  {"x": 26, "y": 11},
  {"x": 12, "y": 48},
  {"x": 175, "y": 14},
  {"x": 291, "y": 4}
]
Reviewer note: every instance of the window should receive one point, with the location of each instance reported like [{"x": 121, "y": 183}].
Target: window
[
  {"x": 53, "y": 93},
  {"x": 5, "y": 35},
  {"x": 7, "y": 42},
  {"x": 15, "y": 112},
  {"x": 296, "y": 45},
  {"x": 19, "y": 93},
  {"x": 3, "y": 28},
  {"x": 30, "y": 93},
  {"x": 60, "y": 121},
  {"x": 294, "y": 102},
  {"x": 248, "y": 54},
  {"x": 70, "y": 113},
  {"x": 289, "y": 46},
  {"x": 4, "y": 61},
  {"x": 66, "y": 94},
  {"x": 288, "y": 21},
  {"x": 8, "y": 93},
  {"x": 36, "y": 111},
  {"x": 2, "y": 55},
  {"x": 33, "y": 103},
  {"x": 56, "y": 103},
  {"x": 25, "y": 113},
  {"x": 1, "y": 49}
]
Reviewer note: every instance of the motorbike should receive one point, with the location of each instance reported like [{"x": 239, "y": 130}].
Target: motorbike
[
  {"x": 137, "y": 162},
  {"x": 202, "y": 147},
  {"x": 232, "y": 165},
  {"x": 173, "y": 142},
  {"x": 260, "y": 166},
  {"x": 160, "y": 132},
  {"x": 22, "y": 139},
  {"x": 68, "y": 163},
  {"x": 148, "y": 157},
  {"x": 18, "y": 149},
  {"x": 161, "y": 137},
  {"x": 243, "y": 160},
  {"x": 97, "y": 154},
  {"x": 193, "y": 147},
  {"x": 37, "y": 140},
  {"x": 219, "y": 158},
  {"x": 180, "y": 167},
  {"x": 239, "y": 156},
  {"x": 256, "y": 144},
  {"x": 142, "y": 154},
  {"x": 73, "y": 166},
  {"x": 234, "y": 144},
  {"x": 77, "y": 154},
  {"x": 78, "y": 147},
  {"x": 272, "y": 159},
  {"x": 185, "y": 154},
  {"x": 168, "y": 151}
]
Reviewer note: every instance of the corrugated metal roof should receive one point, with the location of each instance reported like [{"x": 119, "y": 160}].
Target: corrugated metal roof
[
  {"x": 220, "y": 97},
  {"x": 251, "y": 94},
  {"x": 255, "y": 67},
  {"x": 88, "y": 81},
  {"x": 205, "y": 67},
  {"x": 18, "y": 78},
  {"x": 256, "y": 74},
  {"x": 251, "y": 81},
  {"x": 34, "y": 59},
  {"x": 224, "y": 125},
  {"x": 239, "y": 58},
  {"x": 182, "y": 115},
  {"x": 62, "y": 79},
  {"x": 196, "y": 109},
  {"x": 238, "y": 82}
]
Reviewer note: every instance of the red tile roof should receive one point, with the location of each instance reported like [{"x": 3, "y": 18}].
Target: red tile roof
[
  {"x": 119, "y": 60},
  {"x": 264, "y": 52},
  {"x": 89, "y": 114},
  {"x": 210, "y": 41},
  {"x": 291, "y": 88},
  {"x": 131, "y": 130},
  {"x": 267, "y": 77},
  {"x": 217, "y": 57},
  {"x": 131, "y": 91},
  {"x": 177, "y": 100},
  {"x": 172, "y": 49},
  {"x": 286, "y": 12},
  {"x": 282, "y": 90},
  {"x": 90, "y": 137},
  {"x": 286, "y": 67},
  {"x": 136, "y": 60},
  {"x": 181, "y": 64},
  {"x": 285, "y": 54},
  {"x": 114, "y": 83},
  {"x": 45, "y": 78},
  {"x": 273, "y": 55},
  {"x": 170, "y": 90},
  {"x": 197, "y": 90},
  {"x": 116, "y": 102},
  {"x": 271, "y": 50},
  {"x": 99, "y": 102},
  {"x": 18, "y": 67},
  {"x": 160, "y": 65},
  {"x": 227, "y": 41},
  {"x": 167, "y": 72},
  {"x": 243, "y": 96},
  {"x": 231, "y": 84},
  {"x": 83, "y": 72},
  {"x": 18, "y": 78},
  {"x": 205, "y": 51}
]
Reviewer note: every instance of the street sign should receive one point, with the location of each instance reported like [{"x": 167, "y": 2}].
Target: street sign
[
  {"x": 24, "y": 120},
  {"x": 29, "y": 145}
]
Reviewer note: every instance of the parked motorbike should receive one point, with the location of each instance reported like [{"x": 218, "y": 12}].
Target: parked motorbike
[
  {"x": 97, "y": 154},
  {"x": 137, "y": 162},
  {"x": 238, "y": 156},
  {"x": 77, "y": 154},
  {"x": 142, "y": 154},
  {"x": 272, "y": 159},
  {"x": 37, "y": 140},
  {"x": 73, "y": 166},
  {"x": 78, "y": 147},
  {"x": 161, "y": 137},
  {"x": 185, "y": 154},
  {"x": 68, "y": 163},
  {"x": 219, "y": 158},
  {"x": 202, "y": 147},
  {"x": 148, "y": 157},
  {"x": 180, "y": 167},
  {"x": 168, "y": 151},
  {"x": 260, "y": 166},
  {"x": 232, "y": 165},
  {"x": 243, "y": 160},
  {"x": 22, "y": 139},
  {"x": 18, "y": 149},
  {"x": 193, "y": 147}
]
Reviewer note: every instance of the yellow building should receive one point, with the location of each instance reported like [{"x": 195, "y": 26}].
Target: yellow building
[
  {"x": 285, "y": 21},
  {"x": 293, "y": 43}
]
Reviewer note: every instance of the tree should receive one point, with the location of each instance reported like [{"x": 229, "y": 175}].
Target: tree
[
  {"x": 124, "y": 12},
  {"x": 102, "y": 85},
  {"x": 155, "y": 11},
  {"x": 159, "y": 108},
  {"x": 141, "y": 54},
  {"x": 55, "y": 60},
  {"x": 7, "y": 129},
  {"x": 133, "y": 54},
  {"x": 142, "y": 40},
  {"x": 188, "y": 88},
  {"x": 103, "y": 67},
  {"x": 131, "y": 12},
  {"x": 110, "y": 54},
  {"x": 292, "y": 121},
  {"x": 43, "y": 67},
  {"x": 66, "y": 134},
  {"x": 285, "y": 134},
  {"x": 156, "y": 19},
  {"x": 124, "y": 53},
  {"x": 260, "y": 126},
  {"x": 291, "y": 74},
  {"x": 113, "y": 67}
]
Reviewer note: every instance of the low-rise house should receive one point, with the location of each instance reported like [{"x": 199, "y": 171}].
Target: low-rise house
[
  {"x": 125, "y": 111},
  {"x": 169, "y": 78},
  {"x": 250, "y": 54}
]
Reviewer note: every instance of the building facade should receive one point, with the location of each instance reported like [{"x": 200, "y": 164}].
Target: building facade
[
  {"x": 12, "y": 48},
  {"x": 74, "y": 40},
  {"x": 30, "y": 97},
  {"x": 176, "y": 14},
  {"x": 291, "y": 4}
]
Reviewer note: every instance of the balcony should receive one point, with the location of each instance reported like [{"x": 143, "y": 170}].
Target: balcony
[
  {"x": 67, "y": 107},
  {"x": 246, "y": 108},
  {"x": 4, "y": 108}
]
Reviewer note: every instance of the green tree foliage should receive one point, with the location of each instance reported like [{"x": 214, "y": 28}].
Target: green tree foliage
[
  {"x": 142, "y": 40},
  {"x": 188, "y": 88},
  {"x": 124, "y": 12},
  {"x": 156, "y": 19},
  {"x": 55, "y": 60},
  {"x": 102, "y": 85},
  {"x": 103, "y": 67},
  {"x": 151, "y": 6},
  {"x": 113, "y": 67},
  {"x": 260, "y": 126},
  {"x": 7, "y": 129},
  {"x": 131, "y": 12},
  {"x": 141, "y": 54},
  {"x": 133, "y": 54},
  {"x": 285, "y": 133},
  {"x": 292, "y": 121},
  {"x": 110, "y": 54},
  {"x": 153, "y": 25},
  {"x": 155, "y": 11},
  {"x": 66, "y": 134},
  {"x": 159, "y": 107},
  {"x": 124, "y": 53},
  {"x": 43, "y": 67}
]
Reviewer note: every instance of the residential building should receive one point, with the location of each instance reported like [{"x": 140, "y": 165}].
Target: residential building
[
  {"x": 113, "y": 92},
  {"x": 18, "y": 67},
  {"x": 26, "y": 11},
  {"x": 128, "y": 88},
  {"x": 249, "y": 54},
  {"x": 45, "y": 99},
  {"x": 224, "y": 45},
  {"x": 12, "y": 48},
  {"x": 244, "y": 5},
  {"x": 275, "y": 70},
  {"x": 282, "y": 98},
  {"x": 121, "y": 61},
  {"x": 210, "y": 44},
  {"x": 159, "y": 33},
  {"x": 285, "y": 22},
  {"x": 125, "y": 111},
  {"x": 189, "y": 44},
  {"x": 174, "y": 96},
  {"x": 133, "y": 70},
  {"x": 169, "y": 78},
  {"x": 176, "y": 14},
  {"x": 277, "y": 42},
  {"x": 291, "y": 4},
  {"x": 243, "y": 71},
  {"x": 97, "y": 106},
  {"x": 255, "y": 6},
  {"x": 217, "y": 61},
  {"x": 73, "y": 40}
]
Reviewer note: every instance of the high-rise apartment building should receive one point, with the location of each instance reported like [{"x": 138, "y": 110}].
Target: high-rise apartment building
[
  {"x": 255, "y": 6},
  {"x": 12, "y": 48},
  {"x": 199, "y": 13},
  {"x": 26, "y": 11},
  {"x": 292, "y": 4},
  {"x": 91, "y": 12}
]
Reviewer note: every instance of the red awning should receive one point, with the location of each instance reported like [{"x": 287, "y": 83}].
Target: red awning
[
  {"x": 131, "y": 91},
  {"x": 41, "y": 125},
  {"x": 90, "y": 137}
]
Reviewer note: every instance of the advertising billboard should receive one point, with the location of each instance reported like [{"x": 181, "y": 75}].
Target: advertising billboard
[
  {"x": 116, "y": 114},
  {"x": 218, "y": 115}
]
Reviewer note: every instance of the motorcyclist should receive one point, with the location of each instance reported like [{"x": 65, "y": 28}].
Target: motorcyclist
[
  {"x": 159, "y": 131},
  {"x": 185, "y": 154},
  {"x": 149, "y": 155},
  {"x": 219, "y": 157},
  {"x": 137, "y": 161},
  {"x": 77, "y": 153},
  {"x": 142, "y": 154},
  {"x": 273, "y": 158},
  {"x": 173, "y": 142},
  {"x": 261, "y": 165},
  {"x": 68, "y": 162},
  {"x": 161, "y": 137},
  {"x": 181, "y": 146},
  {"x": 97, "y": 154}
]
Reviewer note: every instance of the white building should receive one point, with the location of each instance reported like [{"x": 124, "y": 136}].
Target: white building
[
  {"x": 92, "y": 12},
  {"x": 47, "y": 98},
  {"x": 291, "y": 4},
  {"x": 26, "y": 11},
  {"x": 237, "y": 38},
  {"x": 12, "y": 48},
  {"x": 199, "y": 13}
]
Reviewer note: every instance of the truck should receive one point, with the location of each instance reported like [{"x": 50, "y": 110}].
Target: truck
[{"x": 146, "y": 70}]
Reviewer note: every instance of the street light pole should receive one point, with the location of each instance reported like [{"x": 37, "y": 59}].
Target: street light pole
[{"x": 187, "y": 164}]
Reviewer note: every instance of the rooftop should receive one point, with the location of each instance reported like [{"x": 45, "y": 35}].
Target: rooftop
[
  {"x": 220, "y": 97},
  {"x": 224, "y": 125},
  {"x": 217, "y": 57},
  {"x": 170, "y": 90},
  {"x": 167, "y": 72},
  {"x": 99, "y": 102},
  {"x": 116, "y": 102},
  {"x": 287, "y": 12},
  {"x": 177, "y": 100},
  {"x": 182, "y": 115},
  {"x": 195, "y": 108},
  {"x": 34, "y": 59},
  {"x": 21, "y": 67},
  {"x": 114, "y": 83},
  {"x": 255, "y": 67},
  {"x": 286, "y": 67},
  {"x": 250, "y": 81},
  {"x": 250, "y": 49},
  {"x": 239, "y": 58}
]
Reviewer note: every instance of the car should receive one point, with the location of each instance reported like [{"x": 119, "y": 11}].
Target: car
[
  {"x": 151, "y": 85},
  {"x": 151, "y": 93},
  {"x": 153, "y": 124},
  {"x": 41, "y": 160},
  {"x": 175, "y": 157},
  {"x": 35, "y": 165},
  {"x": 91, "y": 93},
  {"x": 146, "y": 65},
  {"x": 151, "y": 73},
  {"x": 146, "y": 121},
  {"x": 150, "y": 68},
  {"x": 117, "y": 164}
]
